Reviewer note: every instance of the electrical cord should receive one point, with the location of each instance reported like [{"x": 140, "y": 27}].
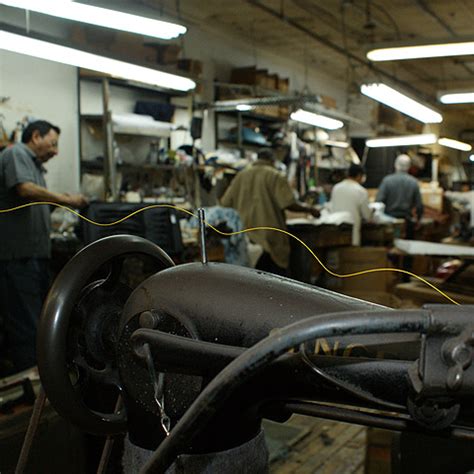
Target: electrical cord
[
  {"x": 229, "y": 234},
  {"x": 257, "y": 357}
]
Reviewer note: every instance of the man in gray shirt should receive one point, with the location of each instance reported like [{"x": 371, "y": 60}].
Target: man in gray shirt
[
  {"x": 25, "y": 247},
  {"x": 401, "y": 195}
]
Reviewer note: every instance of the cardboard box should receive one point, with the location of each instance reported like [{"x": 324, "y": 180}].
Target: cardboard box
[
  {"x": 432, "y": 196},
  {"x": 284, "y": 112},
  {"x": 167, "y": 53},
  {"x": 354, "y": 259},
  {"x": 191, "y": 66},
  {"x": 271, "y": 81},
  {"x": 249, "y": 75},
  {"x": 257, "y": 77},
  {"x": 328, "y": 101},
  {"x": 283, "y": 84}
]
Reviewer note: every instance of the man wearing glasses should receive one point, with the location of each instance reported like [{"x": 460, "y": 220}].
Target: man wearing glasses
[{"x": 25, "y": 246}]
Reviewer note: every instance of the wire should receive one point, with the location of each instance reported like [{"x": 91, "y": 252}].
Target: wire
[{"x": 229, "y": 234}]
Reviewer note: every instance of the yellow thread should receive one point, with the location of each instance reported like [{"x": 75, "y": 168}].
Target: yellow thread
[
  {"x": 228, "y": 234},
  {"x": 90, "y": 221},
  {"x": 338, "y": 275}
]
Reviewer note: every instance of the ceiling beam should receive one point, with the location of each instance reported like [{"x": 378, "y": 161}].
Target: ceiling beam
[
  {"x": 335, "y": 47},
  {"x": 330, "y": 20},
  {"x": 427, "y": 9}
]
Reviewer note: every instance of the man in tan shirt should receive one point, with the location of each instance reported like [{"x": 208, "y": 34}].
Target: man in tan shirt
[{"x": 260, "y": 193}]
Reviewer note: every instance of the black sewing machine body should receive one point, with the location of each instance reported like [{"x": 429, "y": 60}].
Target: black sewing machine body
[{"x": 175, "y": 337}]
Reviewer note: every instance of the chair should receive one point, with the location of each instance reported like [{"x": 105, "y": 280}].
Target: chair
[{"x": 159, "y": 225}]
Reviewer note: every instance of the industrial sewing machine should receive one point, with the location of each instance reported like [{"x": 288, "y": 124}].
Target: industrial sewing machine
[{"x": 198, "y": 354}]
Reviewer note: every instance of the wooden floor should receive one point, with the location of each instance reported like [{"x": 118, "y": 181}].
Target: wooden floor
[{"x": 328, "y": 447}]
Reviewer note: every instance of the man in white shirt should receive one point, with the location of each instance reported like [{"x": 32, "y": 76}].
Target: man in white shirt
[{"x": 350, "y": 196}]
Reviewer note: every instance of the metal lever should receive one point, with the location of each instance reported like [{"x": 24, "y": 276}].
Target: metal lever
[
  {"x": 158, "y": 383},
  {"x": 202, "y": 234}
]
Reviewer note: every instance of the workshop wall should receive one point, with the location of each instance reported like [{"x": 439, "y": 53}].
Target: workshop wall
[{"x": 44, "y": 90}]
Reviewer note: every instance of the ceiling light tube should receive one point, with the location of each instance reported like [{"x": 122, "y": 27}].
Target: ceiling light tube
[
  {"x": 457, "y": 98},
  {"x": 316, "y": 120},
  {"x": 100, "y": 17},
  {"x": 422, "y": 51},
  {"x": 401, "y": 102},
  {"x": 243, "y": 107},
  {"x": 74, "y": 57},
  {"x": 457, "y": 145},
  {"x": 407, "y": 140}
]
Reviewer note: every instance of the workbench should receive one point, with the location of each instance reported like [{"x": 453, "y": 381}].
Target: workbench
[{"x": 320, "y": 239}]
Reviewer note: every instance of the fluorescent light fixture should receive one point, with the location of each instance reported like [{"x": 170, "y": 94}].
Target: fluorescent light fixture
[
  {"x": 457, "y": 98},
  {"x": 243, "y": 107},
  {"x": 398, "y": 101},
  {"x": 407, "y": 140},
  {"x": 74, "y": 57},
  {"x": 317, "y": 120},
  {"x": 471, "y": 158},
  {"x": 100, "y": 17},
  {"x": 422, "y": 51},
  {"x": 337, "y": 144},
  {"x": 457, "y": 145}
]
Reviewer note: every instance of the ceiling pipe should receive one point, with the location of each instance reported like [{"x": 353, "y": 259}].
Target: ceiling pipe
[{"x": 338, "y": 49}]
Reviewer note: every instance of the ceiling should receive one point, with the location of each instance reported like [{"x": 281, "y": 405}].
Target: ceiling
[{"x": 334, "y": 35}]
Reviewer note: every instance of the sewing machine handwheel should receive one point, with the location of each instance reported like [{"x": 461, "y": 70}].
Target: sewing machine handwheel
[{"x": 76, "y": 329}]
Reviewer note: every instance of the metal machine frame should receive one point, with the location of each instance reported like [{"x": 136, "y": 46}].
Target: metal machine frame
[{"x": 196, "y": 348}]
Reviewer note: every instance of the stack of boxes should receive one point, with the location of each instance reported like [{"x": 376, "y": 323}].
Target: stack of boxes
[{"x": 265, "y": 84}]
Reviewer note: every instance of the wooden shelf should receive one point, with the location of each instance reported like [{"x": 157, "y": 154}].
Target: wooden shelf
[
  {"x": 244, "y": 145},
  {"x": 132, "y": 130},
  {"x": 253, "y": 116},
  {"x": 99, "y": 166}
]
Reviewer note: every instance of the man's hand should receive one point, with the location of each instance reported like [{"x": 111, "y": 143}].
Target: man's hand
[
  {"x": 303, "y": 207},
  {"x": 76, "y": 200},
  {"x": 32, "y": 192}
]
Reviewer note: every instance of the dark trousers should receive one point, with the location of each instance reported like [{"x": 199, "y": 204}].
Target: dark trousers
[
  {"x": 266, "y": 264},
  {"x": 24, "y": 284},
  {"x": 409, "y": 229}
]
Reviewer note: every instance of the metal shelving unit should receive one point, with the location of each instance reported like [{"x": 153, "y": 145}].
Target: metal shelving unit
[{"x": 109, "y": 165}]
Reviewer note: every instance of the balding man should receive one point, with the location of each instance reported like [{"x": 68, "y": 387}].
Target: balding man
[{"x": 401, "y": 194}]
